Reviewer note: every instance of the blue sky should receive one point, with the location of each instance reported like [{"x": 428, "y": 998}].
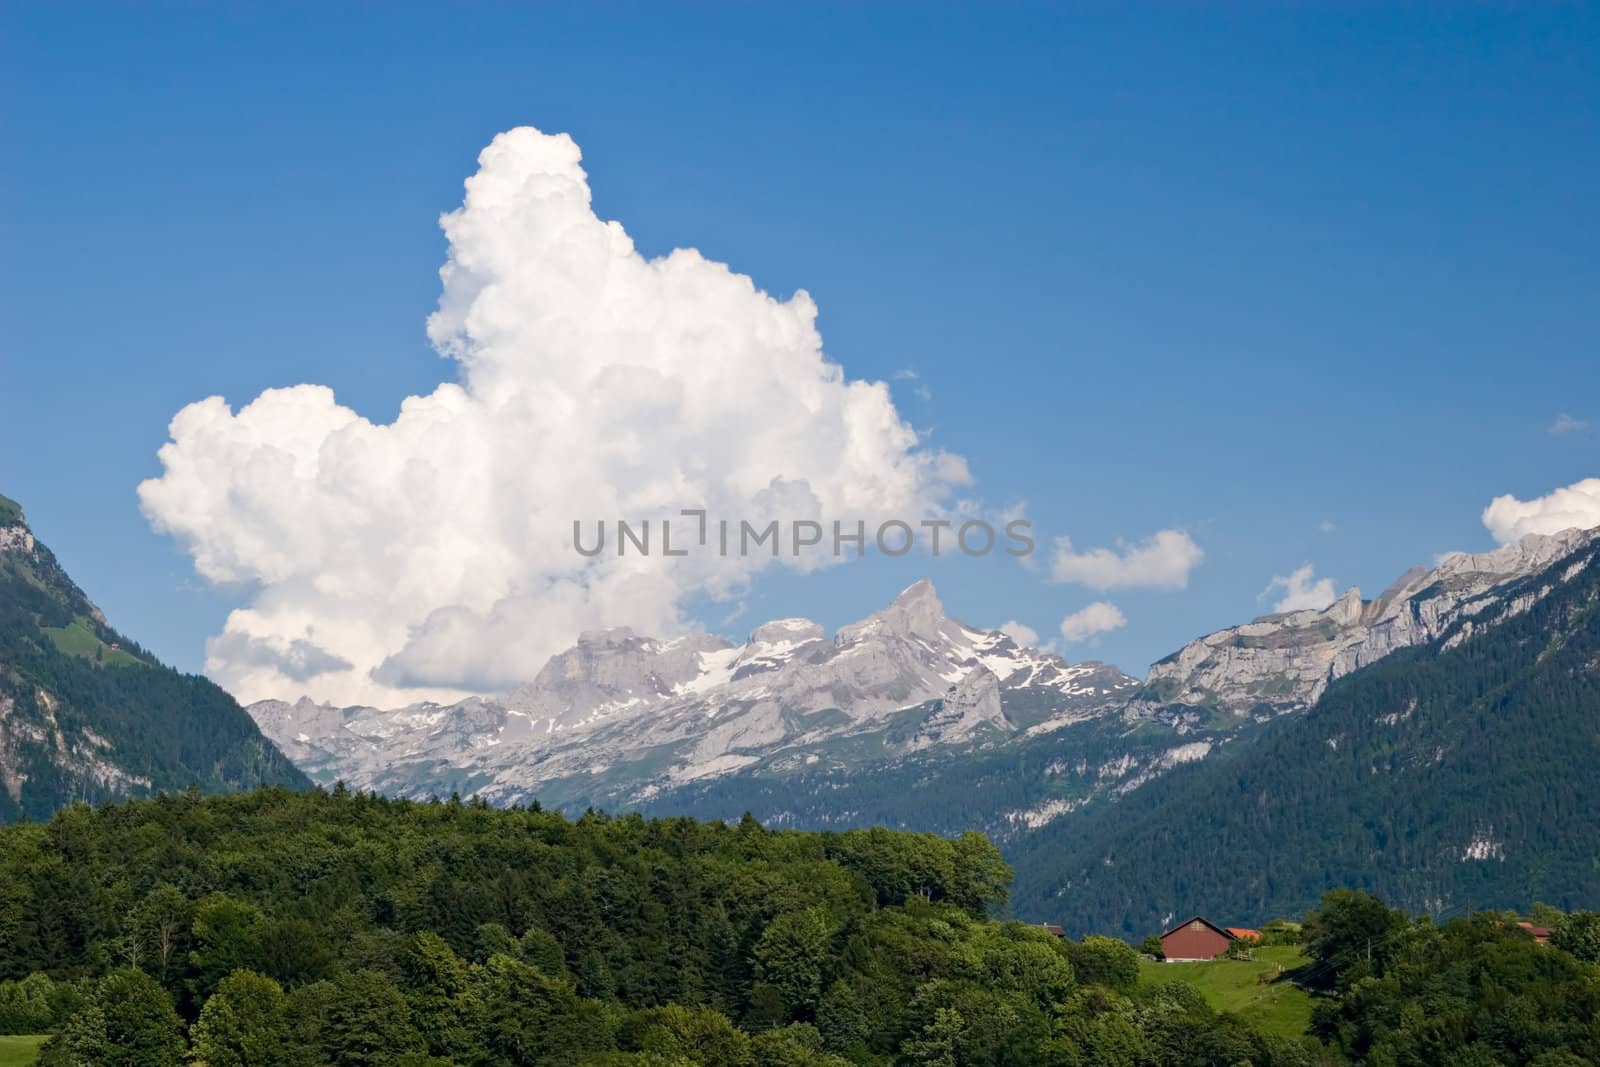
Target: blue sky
[{"x": 1249, "y": 276}]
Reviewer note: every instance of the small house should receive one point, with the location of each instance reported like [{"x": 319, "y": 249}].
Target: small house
[
  {"x": 1540, "y": 934},
  {"x": 1195, "y": 939}
]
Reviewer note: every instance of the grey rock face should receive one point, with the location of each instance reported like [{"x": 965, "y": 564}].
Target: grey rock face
[
  {"x": 1284, "y": 662},
  {"x": 971, "y": 707},
  {"x": 610, "y": 672},
  {"x": 16, "y": 539}
]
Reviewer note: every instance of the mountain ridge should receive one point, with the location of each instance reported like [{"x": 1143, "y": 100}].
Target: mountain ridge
[
  {"x": 1284, "y": 661},
  {"x": 622, "y": 719},
  {"x": 1452, "y": 774},
  {"x": 904, "y": 679},
  {"x": 86, "y": 714}
]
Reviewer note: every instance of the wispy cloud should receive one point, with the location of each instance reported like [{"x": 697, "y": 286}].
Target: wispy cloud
[
  {"x": 919, "y": 387},
  {"x": 1566, "y": 424},
  {"x": 1162, "y": 561}
]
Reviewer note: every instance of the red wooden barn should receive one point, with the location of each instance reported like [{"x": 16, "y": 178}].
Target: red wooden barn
[{"x": 1195, "y": 939}]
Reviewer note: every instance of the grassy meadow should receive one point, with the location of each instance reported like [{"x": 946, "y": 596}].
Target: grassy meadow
[
  {"x": 21, "y": 1050},
  {"x": 1278, "y": 1007}
]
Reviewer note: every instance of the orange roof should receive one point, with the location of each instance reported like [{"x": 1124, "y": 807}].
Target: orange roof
[{"x": 1244, "y": 933}]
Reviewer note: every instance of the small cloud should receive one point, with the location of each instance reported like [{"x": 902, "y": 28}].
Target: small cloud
[
  {"x": 1566, "y": 424},
  {"x": 1021, "y": 633},
  {"x": 1300, "y": 591},
  {"x": 1159, "y": 562},
  {"x": 1327, "y": 526},
  {"x": 1575, "y": 506},
  {"x": 919, "y": 388},
  {"x": 1097, "y": 618}
]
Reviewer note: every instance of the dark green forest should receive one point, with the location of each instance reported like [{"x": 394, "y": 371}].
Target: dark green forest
[
  {"x": 1442, "y": 778},
  {"x": 86, "y": 714},
  {"x": 1476, "y": 991},
  {"x": 287, "y": 929},
  {"x": 330, "y": 928}
]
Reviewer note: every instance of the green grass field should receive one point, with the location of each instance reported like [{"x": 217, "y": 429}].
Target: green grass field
[
  {"x": 1231, "y": 985},
  {"x": 77, "y": 638},
  {"x": 20, "y": 1051}
]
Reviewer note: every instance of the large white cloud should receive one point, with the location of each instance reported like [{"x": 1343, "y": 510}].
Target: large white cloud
[
  {"x": 1162, "y": 561},
  {"x": 1577, "y": 505},
  {"x": 432, "y": 556}
]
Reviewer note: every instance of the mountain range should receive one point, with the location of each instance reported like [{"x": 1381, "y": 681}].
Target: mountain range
[
  {"x": 620, "y": 719},
  {"x": 912, "y": 719},
  {"x": 1434, "y": 743},
  {"x": 88, "y": 715}
]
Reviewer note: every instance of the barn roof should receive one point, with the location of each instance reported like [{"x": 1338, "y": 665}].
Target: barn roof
[
  {"x": 1244, "y": 933},
  {"x": 1197, "y": 918}
]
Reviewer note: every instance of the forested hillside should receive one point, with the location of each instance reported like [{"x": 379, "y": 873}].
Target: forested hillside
[
  {"x": 1473, "y": 992},
  {"x": 87, "y": 714},
  {"x": 279, "y": 928},
  {"x": 1445, "y": 777}
]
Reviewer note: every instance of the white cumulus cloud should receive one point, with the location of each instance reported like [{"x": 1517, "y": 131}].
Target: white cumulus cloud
[
  {"x": 1577, "y": 505},
  {"x": 1301, "y": 590},
  {"x": 1097, "y": 618},
  {"x": 431, "y": 556},
  {"x": 1159, "y": 562}
]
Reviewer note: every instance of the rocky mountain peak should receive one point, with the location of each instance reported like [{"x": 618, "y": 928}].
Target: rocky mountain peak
[
  {"x": 1347, "y": 609},
  {"x": 781, "y": 632},
  {"x": 915, "y": 612},
  {"x": 918, "y": 592},
  {"x": 608, "y": 638}
]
